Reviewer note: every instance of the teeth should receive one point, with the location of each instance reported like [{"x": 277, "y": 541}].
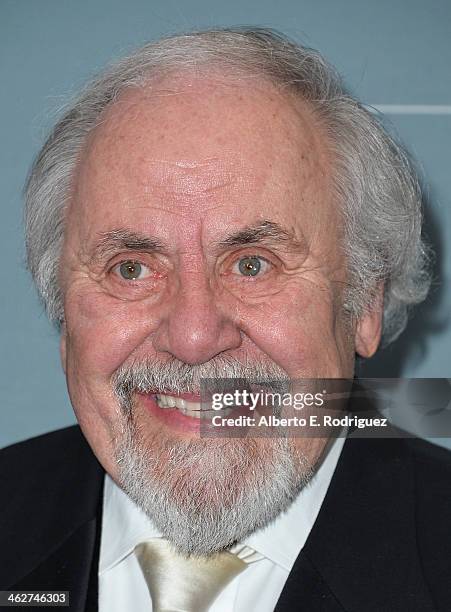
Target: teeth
[
  {"x": 169, "y": 401},
  {"x": 192, "y": 409}
]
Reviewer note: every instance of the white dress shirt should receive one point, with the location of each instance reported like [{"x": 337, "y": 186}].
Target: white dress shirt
[{"x": 124, "y": 525}]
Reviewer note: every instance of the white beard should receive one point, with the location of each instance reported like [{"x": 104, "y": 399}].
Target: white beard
[{"x": 204, "y": 495}]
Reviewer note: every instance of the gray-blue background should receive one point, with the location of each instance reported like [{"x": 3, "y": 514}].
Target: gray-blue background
[{"x": 391, "y": 53}]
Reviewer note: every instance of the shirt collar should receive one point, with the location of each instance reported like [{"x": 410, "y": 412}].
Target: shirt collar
[{"x": 124, "y": 524}]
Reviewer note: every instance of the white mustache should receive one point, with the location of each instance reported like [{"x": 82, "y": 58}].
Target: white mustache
[{"x": 178, "y": 377}]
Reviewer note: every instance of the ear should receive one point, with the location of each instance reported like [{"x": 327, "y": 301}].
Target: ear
[
  {"x": 63, "y": 340},
  {"x": 369, "y": 326}
]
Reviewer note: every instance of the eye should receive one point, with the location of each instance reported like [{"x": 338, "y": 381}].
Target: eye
[
  {"x": 131, "y": 270},
  {"x": 251, "y": 266}
]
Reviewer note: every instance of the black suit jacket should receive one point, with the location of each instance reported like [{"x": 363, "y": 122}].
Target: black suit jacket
[{"x": 381, "y": 543}]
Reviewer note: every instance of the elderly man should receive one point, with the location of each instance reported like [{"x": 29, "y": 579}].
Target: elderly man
[{"x": 218, "y": 206}]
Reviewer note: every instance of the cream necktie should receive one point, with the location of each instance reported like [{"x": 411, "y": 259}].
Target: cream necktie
[{"x": 188, "y": 584}]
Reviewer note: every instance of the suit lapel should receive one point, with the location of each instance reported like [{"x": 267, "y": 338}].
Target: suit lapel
[
  {"x": 306, "y": 590},
  {"x": 362, "y": 551},
  {"x": 68, "y": 568},
  {"x": 50, "y": 532}
]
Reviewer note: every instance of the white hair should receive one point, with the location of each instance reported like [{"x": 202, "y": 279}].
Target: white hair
[{"x": 377, "y": 188}]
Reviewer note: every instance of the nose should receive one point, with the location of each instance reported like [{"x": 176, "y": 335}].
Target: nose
[{"x": 195, "y": 327}]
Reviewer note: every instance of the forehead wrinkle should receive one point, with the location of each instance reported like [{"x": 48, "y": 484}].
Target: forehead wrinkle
[{"x": 186, "y": 177}]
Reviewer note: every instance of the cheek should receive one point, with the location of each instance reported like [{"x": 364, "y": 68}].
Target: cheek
[
  {"x": 103, "y": 331},
  {"x": 297, "y": 330}
]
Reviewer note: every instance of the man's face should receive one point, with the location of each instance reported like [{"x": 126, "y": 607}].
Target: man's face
[{"x": 203, "y": 231}]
